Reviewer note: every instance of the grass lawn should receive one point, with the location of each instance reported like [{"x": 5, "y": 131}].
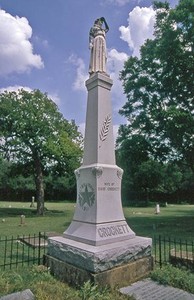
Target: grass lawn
[
  {"x": 57, "y": 217},
  {"x": 173, "y": 220}
]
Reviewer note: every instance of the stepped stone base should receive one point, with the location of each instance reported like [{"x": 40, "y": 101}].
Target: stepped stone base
[
  {"x": 115, "y": 264},
  {"x": 116, "y": 277}
]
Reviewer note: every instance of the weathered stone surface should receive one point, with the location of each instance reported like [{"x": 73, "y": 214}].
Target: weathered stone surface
[
  {"x": 99, "y": 239},
  {"x": 99, "y": 258},
  {"x": 98, "y": 217},
  {"x": 148, "y": 289},
  {"x": 24, "y": 295},
  {"x": 118, "y": 276}
]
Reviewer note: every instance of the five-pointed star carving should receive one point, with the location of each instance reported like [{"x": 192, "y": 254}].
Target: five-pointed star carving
[{"x": 86, "y": 195}]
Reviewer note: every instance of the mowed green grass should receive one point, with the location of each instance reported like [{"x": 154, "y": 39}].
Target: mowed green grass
[
  {"x": 176, "y": 221},
  {"x": 173, "y": 220},
  {"x": 57, "y": 218}
]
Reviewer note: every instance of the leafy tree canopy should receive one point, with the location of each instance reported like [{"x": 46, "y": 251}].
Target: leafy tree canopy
[
  {"x": 33, "y": 132},
  {"x": 159, "y": 85}
]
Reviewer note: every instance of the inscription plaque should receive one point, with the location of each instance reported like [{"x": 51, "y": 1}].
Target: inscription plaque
[
  {"x": 113, "y": 230},
  {"x": 109, "y": 186}
]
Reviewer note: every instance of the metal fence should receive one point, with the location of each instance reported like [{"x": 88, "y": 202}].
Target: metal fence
[
  {"x": 27, "y": 250},
  {"x": 22, "y": 250},
  {"x": 178, "y": 252}
]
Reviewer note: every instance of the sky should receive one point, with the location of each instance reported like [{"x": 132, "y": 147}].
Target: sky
[{"x": 44, "y": 45}]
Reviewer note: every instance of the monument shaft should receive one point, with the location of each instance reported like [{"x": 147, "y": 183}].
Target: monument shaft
[
  {"x": 99, "y": 245},
  {"x": 98, "y": 217}
]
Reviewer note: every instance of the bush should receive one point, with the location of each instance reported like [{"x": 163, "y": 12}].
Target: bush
[
  {"x": 45, "y": 287},
  {"x": 176, "y": 277}
]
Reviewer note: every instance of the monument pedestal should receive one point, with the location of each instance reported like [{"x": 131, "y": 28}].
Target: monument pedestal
[
  {"x": 99, "y": 245},
  {"x": 114, "y": 264}
]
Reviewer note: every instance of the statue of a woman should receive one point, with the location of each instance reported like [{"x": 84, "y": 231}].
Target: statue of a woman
[{"x": 97, "y": 45}]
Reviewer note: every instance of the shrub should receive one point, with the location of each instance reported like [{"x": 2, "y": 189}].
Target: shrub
[{"x": 176, "y": 277}]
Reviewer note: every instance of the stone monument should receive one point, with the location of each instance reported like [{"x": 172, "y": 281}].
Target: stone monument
[{"x": 99, "y": 245}]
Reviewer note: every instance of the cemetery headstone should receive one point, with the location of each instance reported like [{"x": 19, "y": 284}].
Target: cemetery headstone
[
  {"x": 24, "y": 295},
  {"x": 157, "y": 209},
  {"x": 99, "y": 244},
  {"x": 32, "y": 203},
  {"x": 22, "y": 220}
]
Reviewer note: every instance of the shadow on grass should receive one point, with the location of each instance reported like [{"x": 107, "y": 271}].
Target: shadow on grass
[
  {"x": 28, "y": 212},
  {"x": 169, "y": 226}
]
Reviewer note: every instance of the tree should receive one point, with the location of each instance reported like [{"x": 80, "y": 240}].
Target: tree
[
  {"x": 4, "y": 172},
  {"x": 132, "y": 151},
  {"x": 148, "y": 176},
  {"x": 159, "y": 85},
  {"x": 34, "y": 133}
]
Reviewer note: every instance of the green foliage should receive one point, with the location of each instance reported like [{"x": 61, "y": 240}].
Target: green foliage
[
  {"x": 91, "y": 291},
  {"x": 35, "y": 135},
  {"x": 159, "y": 89},
  {"x": 45, "y": 287},
  {"x": 4, "y": 172},
  {"x": 159, "y": 85},
  {"x": 39, "y": 280},
  {"x": 149, "y": 175},
  {"x": 176, "y": 277}
]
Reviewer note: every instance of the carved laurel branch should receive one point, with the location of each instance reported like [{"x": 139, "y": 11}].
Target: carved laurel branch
[{"x": 105, "y": 128}]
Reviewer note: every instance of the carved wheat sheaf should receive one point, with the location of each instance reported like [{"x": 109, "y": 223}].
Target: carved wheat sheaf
[{"x": 105, "y": 128}]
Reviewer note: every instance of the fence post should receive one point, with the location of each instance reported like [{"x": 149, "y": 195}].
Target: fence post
[
  {"x": 160, "y": 251},
  {"x": 155, "y": 250},
  {"x": 39, "y": 243}
]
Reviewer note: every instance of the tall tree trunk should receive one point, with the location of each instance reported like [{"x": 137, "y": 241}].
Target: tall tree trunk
[{"x": 39, "y": 186}]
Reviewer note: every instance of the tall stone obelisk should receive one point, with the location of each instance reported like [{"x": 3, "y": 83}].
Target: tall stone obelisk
[
  {"x": 99, "y": 218},
  {"x": 99, "y": 243}
]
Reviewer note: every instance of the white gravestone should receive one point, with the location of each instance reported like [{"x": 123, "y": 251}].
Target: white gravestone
[
  {"x": 98, "y": 238},
  {"x": 157, "y": 209},
  {"x": 99, "y": 217}
]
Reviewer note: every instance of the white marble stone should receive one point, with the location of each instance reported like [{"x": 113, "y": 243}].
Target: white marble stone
[
  {"x": 99, "y": 217},
  {"x": 99, "y": 140},
  {"x": 99, "y": 237},
  {"x": 99, "y": 258},
  {"x": 97, "y": 45}
]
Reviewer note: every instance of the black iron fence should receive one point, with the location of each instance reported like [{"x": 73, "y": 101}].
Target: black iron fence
[
  {"x": 178, "y": 252},
  {"x": 22, "y": 250},
  {"x": 27, "y": 250}
]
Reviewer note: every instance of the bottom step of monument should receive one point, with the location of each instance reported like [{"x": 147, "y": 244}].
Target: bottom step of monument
[
  {"x": 113, "y": 264},
  {"x": 117, "y": 277}
]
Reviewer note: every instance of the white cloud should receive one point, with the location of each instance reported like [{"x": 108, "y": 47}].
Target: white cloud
[
  {"x": 115, "y": 65},
  {"x": 15, "y": 88},
  {"x": 81, "y": 74},
  {"x": 119, "y": 2},
  {"x": 16, "y": 51},
  {"x": 82, "y": 128},
  {"x": 55, "y": 98},
  {"x": 115, "y": 132},
  {"x": 39, "y": 41},
  {"x": 140, "y": 27}
]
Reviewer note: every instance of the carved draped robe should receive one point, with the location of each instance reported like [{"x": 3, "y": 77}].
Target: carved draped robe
[{"x": 98, "y": 55}]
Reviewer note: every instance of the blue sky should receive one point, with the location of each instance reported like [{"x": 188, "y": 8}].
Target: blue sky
[{"x": 44, "y": 45}]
